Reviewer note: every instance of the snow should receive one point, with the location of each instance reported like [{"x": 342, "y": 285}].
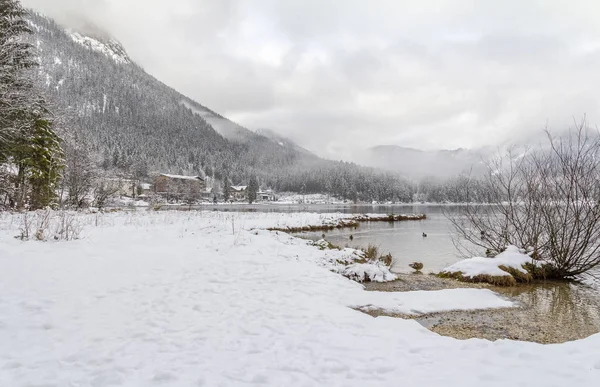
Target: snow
[
  {"x": 239, "y": 188},
  {"x": 294, "y": 198},
  {"x": 373, "y": 272},
  {"x": 422, "y": 302},
  {"x": 181, "y": 177},
  {"x": 210, "y": 299},
  {"x": 124, "y": 201},
  {"x": 472, "y": 267},
  {"x": 93, "y": 44}
]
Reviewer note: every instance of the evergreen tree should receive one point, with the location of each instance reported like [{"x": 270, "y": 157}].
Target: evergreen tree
[
  {"x": 252, "y": 189},
  {"x": 16, "y": 57},
  {"x": 44, "y": 164},
  {"x": 27, "y": 139},
  {"x": 226, "y": 187}
]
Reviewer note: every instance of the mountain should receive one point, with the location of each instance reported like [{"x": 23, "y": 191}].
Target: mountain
[
  {"x": 284, "y": 141},
  {"x": 416, "y": 163},
  {"x": 134, "y": 124}
]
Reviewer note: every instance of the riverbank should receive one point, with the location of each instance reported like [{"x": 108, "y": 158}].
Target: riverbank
[
  {"x": 547, "y": 312},
  {"x": 351, "y": 221}
]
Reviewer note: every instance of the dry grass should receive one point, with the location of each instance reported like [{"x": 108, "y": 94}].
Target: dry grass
[
  {"x": 353, "y": 222},
  {"x": 418, "y": 266},
  {"x": 386, "y": 259},
  {"x": 504, "y": 280},
  {"x": 323, "y": 227},
  {"x": 390, "y": 218},
  {"x": 371, "y": 252},
  {"x": 518, "y": 275},
  {"x": 512, "y": 278}
]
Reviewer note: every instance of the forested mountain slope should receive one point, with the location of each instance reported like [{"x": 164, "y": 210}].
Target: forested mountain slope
[{"x": 135, "y": 124}]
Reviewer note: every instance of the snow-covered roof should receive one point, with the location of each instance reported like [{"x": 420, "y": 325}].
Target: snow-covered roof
[
  {"x": 146, "y": 185},
  {"x": 181, "y": 177},
  {"x": 239, "y": 187}
]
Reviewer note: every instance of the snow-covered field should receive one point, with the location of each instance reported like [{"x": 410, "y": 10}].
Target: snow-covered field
[
  {"x": 210, "y": 299},
  {"x": 296, "y": 198}
]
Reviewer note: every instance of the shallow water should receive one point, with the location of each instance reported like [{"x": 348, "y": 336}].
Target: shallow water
[
  {"x": 552, "y": 312},
  {"x": 404, "y": 240},
  {"x": 549, "y": 312}
]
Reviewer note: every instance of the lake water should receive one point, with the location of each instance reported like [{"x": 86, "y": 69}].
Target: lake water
[{"x": 404, "y": 240}]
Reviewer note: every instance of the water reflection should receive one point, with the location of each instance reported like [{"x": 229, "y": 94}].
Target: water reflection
[{"x": 566, "y": 307}]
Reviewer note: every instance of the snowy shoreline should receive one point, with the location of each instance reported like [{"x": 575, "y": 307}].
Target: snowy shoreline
[{"x": 208, "y": 298}]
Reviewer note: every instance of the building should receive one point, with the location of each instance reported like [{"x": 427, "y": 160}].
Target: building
[
  {"x": 266, "y": 196},
  {"x": 238, "y": 192},
  {"x": 179, "y": 187}
]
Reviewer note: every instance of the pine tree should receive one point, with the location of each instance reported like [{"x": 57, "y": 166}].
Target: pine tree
[
  {"x": 16, "y": 57},
  {"x": 252, "y": 189},
  {"x": 226, "y": 187},
  {"x": 45, "y": 162},
  {"x": 27, "y": 139}
]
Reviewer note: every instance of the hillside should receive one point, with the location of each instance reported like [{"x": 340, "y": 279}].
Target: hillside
[{"x": 135, "y": 124}]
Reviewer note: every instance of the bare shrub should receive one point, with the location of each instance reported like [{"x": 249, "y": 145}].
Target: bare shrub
[
  {"x": 371, "y": 252},
  {"x": 48, "y": 224},
  {"x": 68, "y": 227},
  {"x": 104, "y": 189},
  {"x": 546, "y": 201},
  {"x": 386, "y": 259},
  {"x": 25, "y": 226}
]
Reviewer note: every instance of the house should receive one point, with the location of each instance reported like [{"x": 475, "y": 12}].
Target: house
[
  {"x": 179, "y": 187},
  {"x": 238, "y": 192},
  {"x": 119, "y": 186},
  {"x": 145, "y": 188},
  {"x": 266, "y": 196}
]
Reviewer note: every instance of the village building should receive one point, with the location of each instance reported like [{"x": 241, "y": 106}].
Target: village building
[
  {"x": 238, "y": 192},
  {"x": 266, "y": 196},
  {"x": 179, "y": 187},
  {"x": 145, "y": 189}
]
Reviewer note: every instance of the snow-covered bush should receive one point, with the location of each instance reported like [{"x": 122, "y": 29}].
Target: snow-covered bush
[
  {"x": 508, "y": 268},
  {"x": 358, "y": 265}
]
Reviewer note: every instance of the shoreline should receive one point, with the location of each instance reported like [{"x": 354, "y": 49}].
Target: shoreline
[
  {"x": 352, "y": 222},
  {"x": 548, "y": 313}
]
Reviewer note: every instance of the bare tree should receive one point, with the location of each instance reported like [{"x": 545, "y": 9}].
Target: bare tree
[
  {"x": 79, "y": 176},
  {"x": 104, "y": 189},
  {"x": 545, "y": 200}
]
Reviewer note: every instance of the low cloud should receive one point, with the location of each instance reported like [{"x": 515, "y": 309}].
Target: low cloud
[{"x": 340, "y": 76}]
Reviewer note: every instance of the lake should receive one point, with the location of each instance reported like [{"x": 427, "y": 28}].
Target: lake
[{"x": 404, "y": 240}]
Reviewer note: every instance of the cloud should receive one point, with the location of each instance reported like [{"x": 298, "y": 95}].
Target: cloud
[{"x": 340, "y": 76}]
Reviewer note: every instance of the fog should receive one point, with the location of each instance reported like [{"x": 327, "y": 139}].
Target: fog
[{"x": 339, "y": 77}]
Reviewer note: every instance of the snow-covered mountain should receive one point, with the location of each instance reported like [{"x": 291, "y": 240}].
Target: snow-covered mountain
[
  {"x": 132, "y": 122},
  {"x": 109, "y": 47}
]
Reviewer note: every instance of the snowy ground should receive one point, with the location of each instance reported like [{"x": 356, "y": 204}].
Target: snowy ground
[
  {"x": 208, "y": 299},
  {"x": 296, "y": 198}
]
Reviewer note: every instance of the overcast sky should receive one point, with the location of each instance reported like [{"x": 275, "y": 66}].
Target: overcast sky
[{"x": 341, "y": 76}]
